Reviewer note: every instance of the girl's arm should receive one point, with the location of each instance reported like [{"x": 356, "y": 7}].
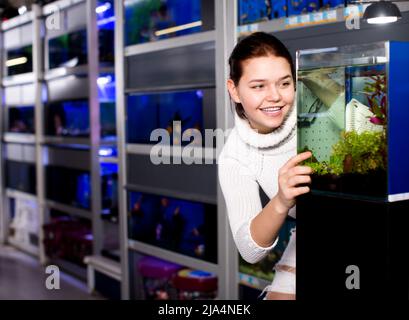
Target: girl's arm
[
  {"x": 267, "y": 224},
  {"x": 254, "y": 228}
]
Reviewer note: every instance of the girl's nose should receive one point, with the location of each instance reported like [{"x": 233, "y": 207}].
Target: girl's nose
[{"x": 273, "y": 93}]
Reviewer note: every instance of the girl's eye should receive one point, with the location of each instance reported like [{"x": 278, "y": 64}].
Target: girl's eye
[
  {"x": 259, "y": 86},
  {"x": 285, "y": 84}
]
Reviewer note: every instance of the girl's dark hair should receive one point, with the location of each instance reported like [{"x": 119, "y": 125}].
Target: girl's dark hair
[{"x": 258, "y": 44}]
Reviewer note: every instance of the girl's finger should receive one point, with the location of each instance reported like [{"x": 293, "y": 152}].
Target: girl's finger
[
  {"x": 299, "y": 170},
  {"x": 296, "y": 180},
  {"x": 296, "y": 160},
  {"x": 300, "y": 190}
]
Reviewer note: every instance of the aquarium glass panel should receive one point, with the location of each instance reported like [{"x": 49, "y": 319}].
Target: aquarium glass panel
[
  {"x": 251, "y": 11},
  {"x": 20, "y": 176},
  {"x": 77, "y": 186},
  {"x": 109, "y": 189},
  {"x": 327, "y": 4},
  {"x": 342, "y": 119},
  {"x": 19, "y": 60},
  {"x": 68, "y": 118},
  {"x": 21, "y": 119},
  {"x": 297, "y": 7},
  {"x": 364, "y": 54},
  {"x": 152, "y": 20},
  {"x": 106, "y": 96},
  {"x": 106, "y": 27},
  {"x": 68, "y": 50},
  {"x": 176, "y": 112},
  {"x": 178, "y": 225}
]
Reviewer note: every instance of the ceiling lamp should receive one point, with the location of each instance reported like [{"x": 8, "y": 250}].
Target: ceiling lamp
[{"x": 382, "y": 12}]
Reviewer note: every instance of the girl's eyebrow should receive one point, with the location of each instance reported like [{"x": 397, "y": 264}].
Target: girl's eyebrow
[{"x": 261, "y": 80}]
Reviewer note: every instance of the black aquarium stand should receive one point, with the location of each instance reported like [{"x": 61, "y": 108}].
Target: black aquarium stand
[{"x": 337, "y": 231}]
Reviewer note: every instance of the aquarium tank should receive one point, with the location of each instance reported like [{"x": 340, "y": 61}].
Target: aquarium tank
[
  {"x": 109, "y": 190},
  {"x": 106, "y": 27},
  {"x": 19, "y": 60},
  {"x": 21, "y": 119},
  {"x": 67, "y": 118},
  {"x": 77, "y": 186},
  {"x": 176, "y": 112},
  {"x": 68, "y": 50},
  {"x": 296, "y": 7},
  {"x": 20, "y": 176},
  {"x": 106, "y": 97},
  {"x": 178, "y": 225},
  {"x": 351, "y": 116},
  {"x": 152, "y": 20},
  {"x": 251, "y": 11}
]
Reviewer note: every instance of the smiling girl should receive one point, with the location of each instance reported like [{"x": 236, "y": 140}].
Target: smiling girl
[{"x": 261, "y": 152}]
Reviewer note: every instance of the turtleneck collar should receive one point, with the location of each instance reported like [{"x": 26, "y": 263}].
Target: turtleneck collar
[{"x": 270, "y": 140}]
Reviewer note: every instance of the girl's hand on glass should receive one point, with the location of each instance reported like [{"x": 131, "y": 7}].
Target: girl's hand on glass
[{"x": 292, "y": 178}]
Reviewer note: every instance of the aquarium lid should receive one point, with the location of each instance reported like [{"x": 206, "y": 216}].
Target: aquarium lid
[{"x": 362, "y": 54}]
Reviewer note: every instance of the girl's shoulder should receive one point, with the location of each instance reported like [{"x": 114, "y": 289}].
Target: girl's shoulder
[{"x": 234, "y": 147}]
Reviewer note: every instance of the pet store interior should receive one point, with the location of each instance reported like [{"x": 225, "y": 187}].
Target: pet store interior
[{"x": 84, "y": 83}]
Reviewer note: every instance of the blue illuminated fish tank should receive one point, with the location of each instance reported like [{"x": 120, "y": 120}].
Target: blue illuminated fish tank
[
  {"x": 182, "y": 226},
  {"x": 296, "y": 7},
  {"x": 67, "y": 118},
  {"x": 19, "y": 60},
  {"x": 352, "y": 114},
  {"x": 71, "y": 49},
  {"x": 109, "y": 190},
  {"x": 21, "y": 119},
  {"x": 77, "y": 186},
  {"x": 152, "y": 20},
  {"x": 251, "y": 11},
  {"x": 147, "y": 112},
  {"x": 106, "y": 97}
]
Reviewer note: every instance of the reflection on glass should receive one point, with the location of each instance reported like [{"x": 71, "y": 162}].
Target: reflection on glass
[
  {"x": 19, "y": 60},
  {"x": 176, "y": 112},
  {"x": 21, "y": 119},
  {"x": 178, "y": 225},
  {"x": 151, "y": 20}
]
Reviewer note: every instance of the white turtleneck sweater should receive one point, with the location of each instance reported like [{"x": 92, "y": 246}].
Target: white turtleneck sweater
[{"x": 249, "y": 160}]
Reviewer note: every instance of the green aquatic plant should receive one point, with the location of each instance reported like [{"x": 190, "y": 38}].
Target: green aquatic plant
[{"x": 355, "y": 152}]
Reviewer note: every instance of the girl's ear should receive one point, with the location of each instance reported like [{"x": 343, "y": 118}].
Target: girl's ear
[{"x": 233, "y": 91}]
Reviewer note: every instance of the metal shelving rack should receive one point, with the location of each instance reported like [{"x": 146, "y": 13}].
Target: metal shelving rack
[
  {"x": 85, "y": 17},
  {"x": 19, "y": 90},
  {"x": 81, "y": 153},
  {"x": 220, "y": 39}
]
